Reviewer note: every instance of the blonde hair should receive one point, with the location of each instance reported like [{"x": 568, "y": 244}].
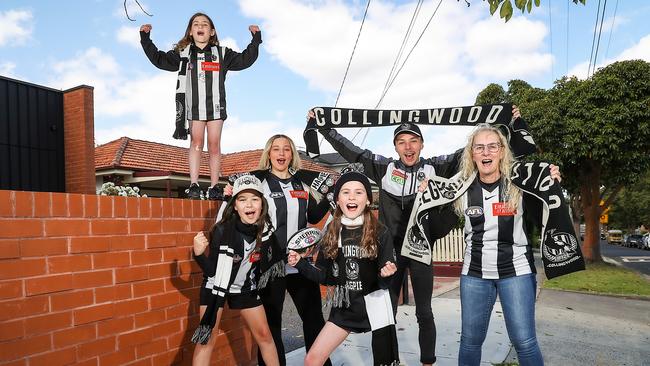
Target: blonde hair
[
  {"x": 368, "y": 241},
  {"x": 265, "y": 159},
  {"x": 467, "y": 166},
  {"x": 187, "y": 38}
]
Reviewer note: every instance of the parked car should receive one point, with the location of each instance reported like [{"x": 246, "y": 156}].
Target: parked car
[
  {"x": 646, "y": 241},
  {"x": 633, "y": 241},
  {"x": 614, "y": 237}
]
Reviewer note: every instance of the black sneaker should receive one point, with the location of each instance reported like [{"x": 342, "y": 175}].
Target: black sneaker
[
  {"x": 215, "y": 193},
  {"x": 193, "y": 192}
]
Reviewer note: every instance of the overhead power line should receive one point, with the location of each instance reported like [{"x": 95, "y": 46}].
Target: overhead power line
[
  {"x": 611, "y": 30},
  {"x": 593, "y": 41},
  {"x": 600, "y": 31},
  {"x": 365, "y": 13},
  {"x": 410, "y": 52}
]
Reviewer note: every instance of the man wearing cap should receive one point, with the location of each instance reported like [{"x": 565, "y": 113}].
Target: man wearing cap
[{"x": 398, "y": 182}]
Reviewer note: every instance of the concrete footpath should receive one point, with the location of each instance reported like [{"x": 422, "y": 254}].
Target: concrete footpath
[
  {"x": 355, "y": 350},
  {"x": 572, "y": 329}
]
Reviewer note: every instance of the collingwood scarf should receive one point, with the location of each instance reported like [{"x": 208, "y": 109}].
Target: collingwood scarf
[
  {"x": 498, "y": 114},
  {"x": 271, "y": 265},
  {"x": 182, "y": 88},
  {"x": 561, "y": 253}
]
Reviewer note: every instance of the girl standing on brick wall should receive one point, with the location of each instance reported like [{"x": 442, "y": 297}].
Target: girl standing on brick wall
[
  {"x": 356, "y": 261},
  {"x": 243, "y": 255},
  {"x": 200, "y": 90}
]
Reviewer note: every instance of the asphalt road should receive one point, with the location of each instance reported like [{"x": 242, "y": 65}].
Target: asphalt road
[{"x": 632, "y": 258}]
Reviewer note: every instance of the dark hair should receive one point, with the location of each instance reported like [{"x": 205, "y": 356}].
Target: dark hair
[
  {"x": 229, "y": 213},
  {"x": 369, "y": 243},
  {"x": 187, "y": 38}
]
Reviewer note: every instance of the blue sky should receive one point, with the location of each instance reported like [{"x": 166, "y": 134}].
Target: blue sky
[{"x": 307, "y": 44}]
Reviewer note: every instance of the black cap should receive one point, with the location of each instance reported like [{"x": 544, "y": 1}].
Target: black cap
[
  {"x": 407, "y": 128},
  {"x": 349, "y": 177}
]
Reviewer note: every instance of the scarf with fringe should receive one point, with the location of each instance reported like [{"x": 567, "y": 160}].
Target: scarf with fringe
[{"x": 270, "y": 266}]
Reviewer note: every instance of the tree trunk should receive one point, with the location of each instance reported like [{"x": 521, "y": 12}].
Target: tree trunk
[{"x": 590, "y": 199}]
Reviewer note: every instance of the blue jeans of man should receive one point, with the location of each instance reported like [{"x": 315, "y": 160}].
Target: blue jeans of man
[{"x": 517, "y": 296}]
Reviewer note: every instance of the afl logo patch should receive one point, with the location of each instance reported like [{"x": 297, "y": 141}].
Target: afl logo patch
[
  {"x": 474, "y": 211},
  {"x": 275, "y": 195}
]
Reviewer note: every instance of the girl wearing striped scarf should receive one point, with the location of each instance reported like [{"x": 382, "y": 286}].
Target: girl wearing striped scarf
[
  {"x": 244, "y": 255},
  {"x": 202, "y": 65}
]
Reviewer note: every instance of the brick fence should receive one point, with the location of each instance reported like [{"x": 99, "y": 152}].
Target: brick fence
[{"x": 92, "y": 280}]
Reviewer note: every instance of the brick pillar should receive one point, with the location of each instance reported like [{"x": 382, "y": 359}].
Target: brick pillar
[{"x": 79, "y": 139}]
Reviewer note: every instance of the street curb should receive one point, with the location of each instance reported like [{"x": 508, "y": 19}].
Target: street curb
[{"x": 623, "y": 296}]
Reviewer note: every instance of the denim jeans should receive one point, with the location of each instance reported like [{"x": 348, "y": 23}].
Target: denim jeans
[{"x": 517, "y": 296}]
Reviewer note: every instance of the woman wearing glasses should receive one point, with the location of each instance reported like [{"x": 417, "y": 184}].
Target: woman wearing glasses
[{"x": 498, "y": 256}]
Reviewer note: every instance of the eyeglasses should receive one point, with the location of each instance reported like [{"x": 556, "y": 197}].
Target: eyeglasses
[{"x": 491, "y": 148}]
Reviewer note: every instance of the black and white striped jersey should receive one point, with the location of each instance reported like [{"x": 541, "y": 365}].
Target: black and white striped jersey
[
  {"x": 496, "y": 237},
  {"x": 243, "y": 246},
  {"x": 205, "y": 92},
  {"x": 290, "y": 207},
  {"x": 202, "y": 89}
]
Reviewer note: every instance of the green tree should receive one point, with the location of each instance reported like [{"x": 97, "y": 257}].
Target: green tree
[
  {"x": 505, "y": 6},
  {"x": 632, "y": 208},
  {"x": 598, "y": 132}
]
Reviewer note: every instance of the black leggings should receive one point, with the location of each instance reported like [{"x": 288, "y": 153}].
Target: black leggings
[
  {"x": 422, "y": 281},
  {"x": 306, "y": 297}
]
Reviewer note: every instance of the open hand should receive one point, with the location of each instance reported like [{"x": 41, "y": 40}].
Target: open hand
[{"x": 388, "y": 269}]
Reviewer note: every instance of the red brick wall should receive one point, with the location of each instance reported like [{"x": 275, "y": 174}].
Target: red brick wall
[
  {"x": 79, "y": 140},
  {"x": 92, "y": 280}
]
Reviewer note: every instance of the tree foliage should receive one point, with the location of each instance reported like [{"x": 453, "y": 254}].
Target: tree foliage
[
  {"x": 506, "y": 9},
  {"x": 597, "y": 130},
  {"x": 632, "y": 208}
]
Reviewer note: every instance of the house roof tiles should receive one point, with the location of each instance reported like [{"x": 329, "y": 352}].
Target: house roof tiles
[{"x": 140, "y": 155}]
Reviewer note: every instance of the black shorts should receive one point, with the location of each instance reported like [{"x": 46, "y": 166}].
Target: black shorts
[{"x": 244, "y": 300}]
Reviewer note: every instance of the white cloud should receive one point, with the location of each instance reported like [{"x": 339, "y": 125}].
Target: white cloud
[
  {"x": 15, "y": 27},
  {"x": 462, "y": 50},
  {"x": 144, "y": 104},
  {"x": 129, "y": 36},
  {"x": 516, "y": 51},
  {"x": 614, "y": 23},
  {"x": 230, "y": 43},
  {"x": 7, "y": 69},
  {"x": 436, "y": 74},
  {"x": 641, "y": 50}
]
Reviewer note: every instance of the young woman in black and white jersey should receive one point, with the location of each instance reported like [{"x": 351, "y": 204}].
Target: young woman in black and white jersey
[
  {"x": 498, "y": 256},
  {"x": 292, "y": 205}
]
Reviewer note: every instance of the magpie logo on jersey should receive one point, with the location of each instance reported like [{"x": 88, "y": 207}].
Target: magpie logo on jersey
[
  {"x": 352, "y": 275},
  {"x": 474, "y": 211},
  {"x": 560, "y": 247}
]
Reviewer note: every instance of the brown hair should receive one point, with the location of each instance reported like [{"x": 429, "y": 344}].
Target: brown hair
[
  {"x": 187, "y": 38},
  {"x": 229, "y": 213},
  {"x": 330, "y": 246}
]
